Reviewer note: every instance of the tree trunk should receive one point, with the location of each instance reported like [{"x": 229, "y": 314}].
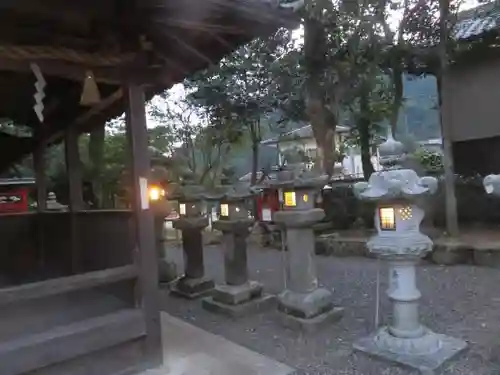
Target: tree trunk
[
  {"x": 96, "y": 151},
  {"x": 323, "y": 120},
  {"x": 449, "y": 176},
  {"x": 397, "y": 81},
  {"x": 255, "y": 162},
  {"x": 255, "y": 137},
  {"x": 364, "y": 137}
]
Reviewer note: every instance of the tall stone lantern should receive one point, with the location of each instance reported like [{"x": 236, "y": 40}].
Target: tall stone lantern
[
  {"x": 303, "y": 305},
  {"x": 191, "y": 222},
  {"x": 398, "y": 194},
  {"x": 167, "y": 270},
  {"x": 238, "y": 296}
]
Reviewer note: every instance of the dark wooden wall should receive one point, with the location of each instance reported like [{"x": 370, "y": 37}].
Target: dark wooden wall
[
  {"x": 35, "y": 247},
  {"x": 477, "y": 156}
]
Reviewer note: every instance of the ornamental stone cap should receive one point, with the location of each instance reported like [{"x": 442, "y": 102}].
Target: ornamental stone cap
[
  {"x": 491, "y": 184},
  {"x": 188, "y": 193},
  {"x": 391, "y": 152},
  {"x": 237, "y": 192},
  {"x": 395, "y": 184},
  {"x": 296, "y": 176},
  {"x": 293, "y": 5}
]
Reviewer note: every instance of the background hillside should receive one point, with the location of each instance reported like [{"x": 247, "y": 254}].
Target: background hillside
[{"x": 419, "y": 120}]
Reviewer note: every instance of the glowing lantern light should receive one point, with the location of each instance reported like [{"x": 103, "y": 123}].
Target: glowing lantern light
[
  {"x": 224, "y": 209},
  {"x": 290, "y": 199},
  {"x": 182, "y": 209},
  {"x": 387, "y": 218},
  {"x": 155, "y": 193}
]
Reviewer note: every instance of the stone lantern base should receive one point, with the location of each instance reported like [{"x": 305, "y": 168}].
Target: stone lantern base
[
  {"x": 191, "y": 288},
  {"x": 194, "y": 284},
  {"x": 167, "y": 271},
  {"x": 239, "y": 300},
  {"x": 426, "y": 354},
  {"x": 308, "y": 312}
]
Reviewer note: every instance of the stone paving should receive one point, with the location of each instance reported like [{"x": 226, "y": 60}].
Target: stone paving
[{"x": 461, "y": 301}]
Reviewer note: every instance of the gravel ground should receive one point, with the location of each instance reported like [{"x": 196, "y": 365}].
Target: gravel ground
[{"x": 462, "y": 301}]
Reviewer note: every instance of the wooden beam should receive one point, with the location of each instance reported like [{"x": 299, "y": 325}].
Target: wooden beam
[
  {"x": 146, "y": 254},
  {"x": 98, "y": 108},
  {"x": 66, "y": 284},
  {"x": 63, "y": 343},
  {"x": 76, "y": 72},
  {"x": 60, "y": 69},
  {"x": 85, "y": 117}
]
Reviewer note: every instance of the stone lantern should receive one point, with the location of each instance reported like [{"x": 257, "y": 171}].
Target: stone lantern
[
  {"x": 398, "y": 194},
  {"x": 238, "y": 295},
  {"x": 167, "y": 271},
  {"x": 304, "y": 305},
  {"x": 191, "y": 223}
]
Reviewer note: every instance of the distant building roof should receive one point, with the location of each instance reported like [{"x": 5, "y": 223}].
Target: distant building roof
[
  {"x": 304, "y": 132},
  {"x": 16, "y": 181},
  {"x": 432, "y": 141},
  {"x": 478, "y": 20},
  {"x": 247, "y": 177}
]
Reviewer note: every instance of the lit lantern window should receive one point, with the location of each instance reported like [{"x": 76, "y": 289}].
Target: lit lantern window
[
  {"x": 387, "y": 218},
  {"x": 182, "y": 209},
  {"x": 405, "y": 213},
  {"x": 155, "y": 193},
  {"x": 305, "y": 198},
  {"x": 266, "y": 214},
  {"x": 290, "y": 200},
  {"x": 224, "y": 209}
]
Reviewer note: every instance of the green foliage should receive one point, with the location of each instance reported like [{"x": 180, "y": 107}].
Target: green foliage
[
  {"x": 237, "y": 96},
  {"x": 431, "y": 161}
]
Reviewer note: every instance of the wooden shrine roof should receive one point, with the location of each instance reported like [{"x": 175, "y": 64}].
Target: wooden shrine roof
[{"x": 155, "y": 42}]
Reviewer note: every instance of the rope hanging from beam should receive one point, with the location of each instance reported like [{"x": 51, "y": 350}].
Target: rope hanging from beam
[{"x": 63, "y": 54}]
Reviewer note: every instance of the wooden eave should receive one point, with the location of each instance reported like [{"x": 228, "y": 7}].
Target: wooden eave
[{"x": 154, "y": 42}]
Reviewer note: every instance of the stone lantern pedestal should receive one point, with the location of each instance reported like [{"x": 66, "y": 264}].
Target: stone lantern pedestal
[
  {"x": 167, "y": 270},
  {"x": 238, "y": 296},
  {"x": 303, "y": 305},
  {"x": 400, "y": 243},
  {"x": 194, "y": 284}
]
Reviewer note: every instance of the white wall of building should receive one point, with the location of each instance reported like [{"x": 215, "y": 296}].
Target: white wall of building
[{"x": 351, "y": 165}]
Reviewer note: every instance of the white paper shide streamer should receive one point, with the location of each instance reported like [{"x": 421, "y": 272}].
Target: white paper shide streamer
[{"x": 40, "y": 93}]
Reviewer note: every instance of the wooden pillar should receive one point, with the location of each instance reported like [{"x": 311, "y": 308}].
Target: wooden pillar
[
  {"x": 40, "y": 177},
  {"x": 146, "y": 257},
  {"x": 74, "y": 171},
  {"x": 41, "y": 197}
]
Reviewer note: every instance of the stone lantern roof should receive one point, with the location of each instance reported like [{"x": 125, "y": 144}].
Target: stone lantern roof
[
  {"x": 236, "y": 192},
  {"x": 185, "y": 192},
  {"x": 295, "y": 176}
]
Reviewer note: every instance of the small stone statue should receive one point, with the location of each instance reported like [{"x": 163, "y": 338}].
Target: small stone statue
[{"x": 53, "y": 204}]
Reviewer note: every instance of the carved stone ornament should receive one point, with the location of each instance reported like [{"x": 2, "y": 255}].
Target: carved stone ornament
[
  {"x": 293, "y": 5},
  {"x": 491, "y": 184},
  {"x": 395, "y": 184}
]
